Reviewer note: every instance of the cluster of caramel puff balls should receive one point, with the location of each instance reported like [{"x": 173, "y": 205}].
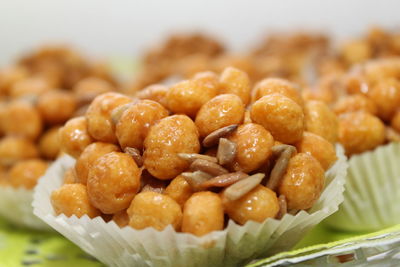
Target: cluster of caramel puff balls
[
  {"x": 197, "y": 154},
  {"x": 32, "y": 110},
  {"x": 369, "y": 110}
]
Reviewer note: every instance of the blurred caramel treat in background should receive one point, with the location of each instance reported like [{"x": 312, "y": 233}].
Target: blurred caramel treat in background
[
  {"x": 38, "y": 94},
  {"x": 177, "y": 55},
  {"x": 377, "y": 43},
  {"x": 291, "y": 56}
]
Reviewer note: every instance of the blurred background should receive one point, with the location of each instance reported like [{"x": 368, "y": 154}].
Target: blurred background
[{"x": 125, "y": 28}]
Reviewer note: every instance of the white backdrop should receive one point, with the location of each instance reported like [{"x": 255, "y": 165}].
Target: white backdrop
[{"x": 123, "y": 28}]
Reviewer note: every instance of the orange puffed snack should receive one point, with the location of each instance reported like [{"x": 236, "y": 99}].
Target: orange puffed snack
[
  {"x": 280, "y": 115},
  {"x": 72, "y": 199},
  {"x": 368, "y": 107},
  {"x": 38, "y": 95},
  {"x": 188, "y": 158},
  {"x": 151, "y": 209},
  {"x": 98, "y": 116},
  {"x": 360, "y": 131},
  {"x": 113, "y": 181},
  {"x": 26, "y": 173}
]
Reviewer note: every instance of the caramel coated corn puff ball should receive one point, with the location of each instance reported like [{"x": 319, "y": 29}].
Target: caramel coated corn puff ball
[
  {"x": 87, "y": 89},
  {"x": 88, "y": 157},
  {"x": 353, "y": 103},
  {"x": 32, "y": 86},
  {"x": 151, "y": 209},
  {"x": 113, "y": 181},
  {"x": 203, "y": 213},
  {"x": 191, "y": 65},
  {"x": 26, "y": 173},
  {"x": 72, "y": 199},
  {"x": 270, "y": 86},
  {"x": 179, "y": 190},
  {"x": 241, "y": 62},
  {"x": 155, "y": 92},
  {"x": 121, "y": 218},
  {"x": 10, "y": 76},
  {"x": 381, "y": 69},
  {"x": 21, "y": 118},
  {"x": 74, "y": 136},
  {"x": 49, "y": 143},
  {"x": 135, "y": 122},
  {"x": 257, "y": 205},
  {"x": 321, "y": 120},
  {"x": 187, "y": 97},
  {"x": 208, "y": 78},
  {"x": 57, "y": 106},
  {"x": 355, "y": 83},
  {"x": 386, "y": 95},
  {"x": 281, "y": 116},
  {"x": 360, "y": 131},
  {"x": 14, "y": 149},
  {"x": 356, "y": 51},
  {"x": 237, "y": 82},
  {"x": 222, "y": 110},
  {"x": 303, "y": 182},
  {"x": 98, "y": 115},
  {"x": 254, "y": 144},
  {"x": 170, "y": 136},
  {"x": 319, "y": 148},
  {"x": 395, "y": 123}
]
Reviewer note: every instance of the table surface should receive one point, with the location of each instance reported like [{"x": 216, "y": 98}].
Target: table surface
[{"x": 21, "y": 247}]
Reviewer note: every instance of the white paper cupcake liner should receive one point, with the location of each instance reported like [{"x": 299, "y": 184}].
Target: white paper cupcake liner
[
  {"x": 16, "y": 207},
  {"x": 234, "y": 245},
  {"x": 372, "y": 196}
]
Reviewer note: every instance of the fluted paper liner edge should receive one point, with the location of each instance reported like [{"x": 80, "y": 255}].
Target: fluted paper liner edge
[
  {"x": 372, "y": 193},
  {"x": 16, "y": 207}
]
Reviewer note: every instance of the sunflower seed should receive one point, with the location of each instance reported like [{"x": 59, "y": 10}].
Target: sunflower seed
[
  {"x": 224, "y": 180},
  {"x": 193, "y": 156},
  {"x": 392, "y": 135},
  {"x": 212, "y": 138},
  {"x": 207, "y": 166},
  {"x": 135, "y": 154},
  {"x": 195, "y": 179},
  {"x": 247, "y": 117},
  {"x": 279, "y": 170},
  {"x": 148, "y": 187},
  {"x": 282, "y": 207},
  {"x": 278, "y": 149},
  {"x": 118, "y": 111},
  {"x": 226, "y": 151},
  {"x": 242, "y": 187}
]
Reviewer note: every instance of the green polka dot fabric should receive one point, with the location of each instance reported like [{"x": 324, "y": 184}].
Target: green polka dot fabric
[{"x": 21, "y": 247}]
